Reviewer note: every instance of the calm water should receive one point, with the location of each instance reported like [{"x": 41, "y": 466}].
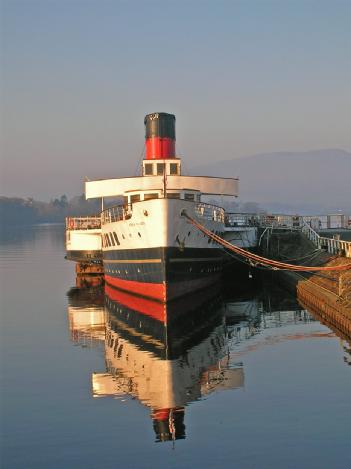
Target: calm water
[{"x": 257, "y": 383}]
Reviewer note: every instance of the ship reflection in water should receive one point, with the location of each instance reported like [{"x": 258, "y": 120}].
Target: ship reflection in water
[
  {"x": 86, "y": 316},
  {"x": 167, "y": 365}
]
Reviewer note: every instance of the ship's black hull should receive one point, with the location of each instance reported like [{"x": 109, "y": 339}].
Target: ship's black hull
[{"x": 163, "y": 274}]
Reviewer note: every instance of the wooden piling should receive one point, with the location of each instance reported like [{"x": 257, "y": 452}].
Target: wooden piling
[
  {"x": 327, "y": 305},
  {"x": 89, "y": 274}
]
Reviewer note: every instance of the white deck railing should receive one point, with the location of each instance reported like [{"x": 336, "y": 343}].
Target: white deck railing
[
  {"x": 202, "y": 210},
  {"x": 92, "y": 222},
  {"x": 116, "y": 213}
]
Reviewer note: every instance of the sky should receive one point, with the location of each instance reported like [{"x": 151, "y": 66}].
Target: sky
[{"x": 242, "y": 77}]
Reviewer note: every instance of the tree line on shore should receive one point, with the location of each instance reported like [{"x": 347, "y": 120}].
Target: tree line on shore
[{"x": 21, "y": 211}]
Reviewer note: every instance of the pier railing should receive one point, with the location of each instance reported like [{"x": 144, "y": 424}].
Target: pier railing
[
  {"x": 278, "y": 220},
  {"x": 308, "y": 225},
  {"x": 282, "y": 221},
  {"x": 209, "y": 212},
  {"x": 92, "y": 222},
  {"x": 331, "y": 245},
  {"x": 263, "y": 219},
  {"x": 242, "y": 219}
]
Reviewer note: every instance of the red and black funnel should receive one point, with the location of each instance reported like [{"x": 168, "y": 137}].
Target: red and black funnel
[
  {"x": 169, "y": 424},
  {"x": 159, "y": 136}
]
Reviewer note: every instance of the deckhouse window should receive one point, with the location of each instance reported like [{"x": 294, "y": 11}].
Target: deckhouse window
[
  {"x": 111, "y": 239},
  {"x": 188, "y": 196},
  {"x": 173, "y": 168},
  {"x": 150, "y": 196},
  {"x": 173, "y": 195},
  {"x": 116, "y": 238},
  {"x": 148, "y": 169},
  {"x": 160, "y": 169},
  {"x": 134, "y": 198}
]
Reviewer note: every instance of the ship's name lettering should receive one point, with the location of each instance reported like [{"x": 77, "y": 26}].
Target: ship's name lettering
[{"x": 137, "y": 224}]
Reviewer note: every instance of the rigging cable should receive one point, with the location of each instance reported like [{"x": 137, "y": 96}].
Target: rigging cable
[
  {"x": 141, "y": 157},
  {"x": 259, "y": 260}
]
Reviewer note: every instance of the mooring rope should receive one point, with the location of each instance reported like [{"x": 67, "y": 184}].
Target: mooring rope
[{"x": 259, "y": 260}]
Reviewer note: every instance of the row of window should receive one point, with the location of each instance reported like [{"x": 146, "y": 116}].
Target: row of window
[
  {"x": 110, "y": 240},
  {"x": 137, "y": 197},
  {"x": 113, "y": 343},
  {"x": 157, "y": 169},
  {"x": 154, "y": 195}
]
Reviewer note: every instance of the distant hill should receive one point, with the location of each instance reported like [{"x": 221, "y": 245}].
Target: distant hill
[{"x": 314, "y": 181}]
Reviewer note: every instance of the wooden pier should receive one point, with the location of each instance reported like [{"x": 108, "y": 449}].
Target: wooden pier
[{"x": 327, "y": 294}]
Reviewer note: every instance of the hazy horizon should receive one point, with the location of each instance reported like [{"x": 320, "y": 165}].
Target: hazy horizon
[{"x": 243, "y": 78}]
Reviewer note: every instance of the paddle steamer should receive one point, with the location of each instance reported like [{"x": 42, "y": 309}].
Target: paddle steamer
[{"x": 149, "y": 248}]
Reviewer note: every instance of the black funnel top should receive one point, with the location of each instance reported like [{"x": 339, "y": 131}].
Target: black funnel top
[{"x": 160, "y": 124}]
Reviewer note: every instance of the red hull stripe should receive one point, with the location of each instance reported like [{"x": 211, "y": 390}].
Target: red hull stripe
[
  {"x": 159, "y": 148},
  {"x": 156, "y": 291},
  {"x": 150, "y": 308}
]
